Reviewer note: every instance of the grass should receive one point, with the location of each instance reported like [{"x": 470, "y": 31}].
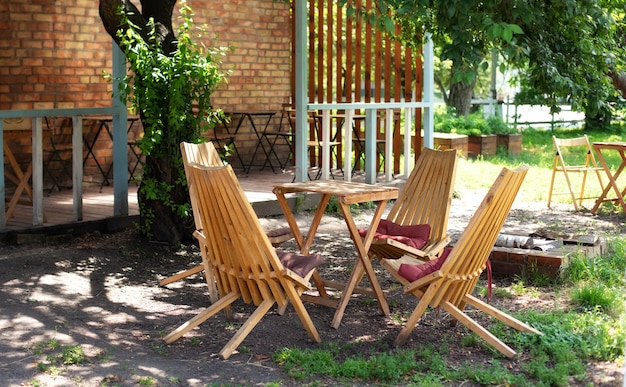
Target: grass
[
  {"x": 593, "y": 329},
  {"x": 538, "y": 153}
]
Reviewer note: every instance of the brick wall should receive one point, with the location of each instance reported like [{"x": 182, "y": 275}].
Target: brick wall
[
  {"x": 53, "y": 53},
  {"x": 259, "y": 32}
]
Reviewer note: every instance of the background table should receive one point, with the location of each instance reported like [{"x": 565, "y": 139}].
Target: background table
[
  {"x": 266, "y": 116},
  {"x": 620, "y": 147},
  {"x": 346, "y": 193},
  {"x": 20, "y": 177},
  {"x": 104, "y": 125}
]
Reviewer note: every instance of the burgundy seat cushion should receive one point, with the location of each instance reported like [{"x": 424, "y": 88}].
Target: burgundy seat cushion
[
  {"x": 299, "y": 264},
  {"x": 279, "y": 232},
  {"x": 415, "y": 236},
  {"x": 414, "y": 272}
]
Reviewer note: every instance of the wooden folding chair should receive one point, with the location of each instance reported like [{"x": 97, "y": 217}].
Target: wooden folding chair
[
  {"x": 244, "y": 263},
  {"x": 423, "y": 204},
  {"x": 568, "y": 160},
  {"x": 206, "y": 154},
  {"x": 449, "y": 280},
  {"x": 203, "y": 154}
]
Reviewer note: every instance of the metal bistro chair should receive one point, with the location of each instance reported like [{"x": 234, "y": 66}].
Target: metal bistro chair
[
  {"x": 276, "y": 139},
  {"x": 59, "y": 148}
]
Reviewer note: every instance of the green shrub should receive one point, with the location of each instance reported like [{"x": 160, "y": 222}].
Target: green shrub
[{"x": 472, "y": 125}]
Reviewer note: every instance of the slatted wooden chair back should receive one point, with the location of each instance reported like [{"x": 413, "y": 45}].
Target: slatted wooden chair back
[
  {"x": 568, "y": 160},
  {"x": 425, "y": 199},
  {"x": 244, "y": 262},
  {"x": 203, "y": 154},
  {"x": 451, "y": 285},
  {"x": 468, "y": 258}
]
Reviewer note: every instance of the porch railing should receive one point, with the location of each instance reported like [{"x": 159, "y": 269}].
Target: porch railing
[
  {"x": 120, "y": 158},
  {"x": 371, "y": 109}
]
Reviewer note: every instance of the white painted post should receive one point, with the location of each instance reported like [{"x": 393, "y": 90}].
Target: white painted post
[
  {"x": 408, "y": 160},
  {"x": 370, "y": 146},
  {"x": 428, "y": 96},
  {"x": 347, "y": 150}
]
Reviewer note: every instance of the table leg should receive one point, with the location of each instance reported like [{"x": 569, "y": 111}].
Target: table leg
[
  {"x": 259, "y": 137},
  {"x": 90, "y": 146},
  {"x": 363, "y": 264},
  {"x": 22, "y": 186},
  {"x": 304, "y": 245},
  {"x": 612, "y": 183}
]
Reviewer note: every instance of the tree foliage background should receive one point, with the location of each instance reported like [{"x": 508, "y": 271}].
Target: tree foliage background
[{"x": 565, "y": 51}]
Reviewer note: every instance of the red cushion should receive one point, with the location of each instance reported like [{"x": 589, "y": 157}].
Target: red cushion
[
  {"x": 415, "y": 236},
  {"x": 414, "y": 272},
  {"x": 299, "y": 264},
  {"x": 279, "y": 232}
]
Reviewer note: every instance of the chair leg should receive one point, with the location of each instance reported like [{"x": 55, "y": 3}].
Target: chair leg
[
  {"x": 304, "y": 316},
  {"x": 552, "y": 182},
  {"x": 505, "y": 318},
  {"x": 246, "y": 328},
  {"x": 417, "y": 313},
  {"x": 479, "y": 330},
  {"x": 181, "y": 275},
  {"x": 202, "y": 317}
]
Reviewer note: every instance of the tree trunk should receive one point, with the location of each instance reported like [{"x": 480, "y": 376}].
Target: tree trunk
[
  {"x": 165, "y": 225},
  {"x": 160, "y": 10},
  {"x": 619, "y": 81},
  {"x": 460, "y": 97}
]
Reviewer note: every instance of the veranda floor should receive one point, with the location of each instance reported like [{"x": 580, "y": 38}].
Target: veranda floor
[{"x": 98, "y": 206}]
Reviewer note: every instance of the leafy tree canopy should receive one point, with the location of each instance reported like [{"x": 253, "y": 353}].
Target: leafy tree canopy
[{"x": 564, "y": 48}]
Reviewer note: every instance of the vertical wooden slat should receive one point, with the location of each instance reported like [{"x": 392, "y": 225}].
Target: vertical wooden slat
[
  {"x": 417, "y": 142},
  {"x": 397, "y": 95},
  {"x": 388, "y": 86},
  {"x": 320, "y": 51},
  {"x": 387, "y": 69},
  {"x": 339, "y": 53},
  {"x": 368, "y": 55},
  {"x": 358, "y": 60},
  {"x": 378, "y": 73},
  {"x": 358, "y": 56},
  {"x": 349, "y": 63},
  {"x": 329, "y": 50},
  {"x": 312, "y": 69},
  {"x": 339, "y": 78}
]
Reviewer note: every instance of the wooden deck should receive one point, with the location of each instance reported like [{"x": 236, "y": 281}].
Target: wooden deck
[{"x": 98, "y": 206}]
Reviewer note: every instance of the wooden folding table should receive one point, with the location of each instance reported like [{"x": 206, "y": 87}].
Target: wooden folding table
[
  {"x": 620, "y": 148},
  {"x": 346, "y": 193},
  {"x": 18, "y": 176}
]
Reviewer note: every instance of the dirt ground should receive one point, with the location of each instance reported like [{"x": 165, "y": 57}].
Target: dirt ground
[{"x": 100, "y": 292}]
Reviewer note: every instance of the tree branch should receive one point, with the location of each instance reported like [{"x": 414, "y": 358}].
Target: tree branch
[{"x": 160, "y": 10}]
